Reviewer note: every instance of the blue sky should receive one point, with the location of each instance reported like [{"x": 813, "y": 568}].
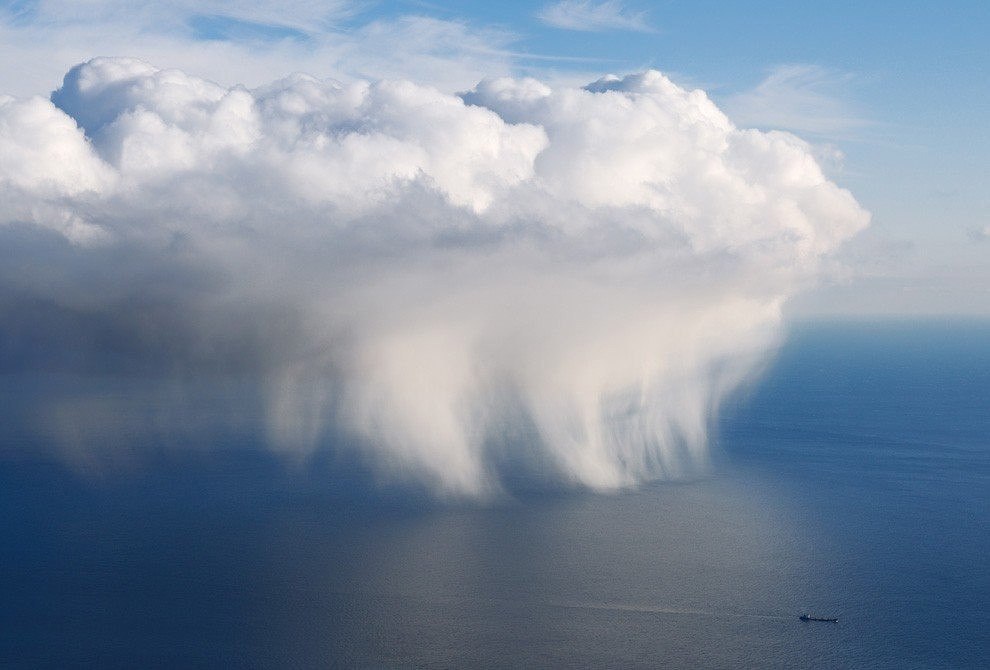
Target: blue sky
[{"x": 894, "y": 94}]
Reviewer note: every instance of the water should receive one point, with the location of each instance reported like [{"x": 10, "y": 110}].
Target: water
[{"x": 853, "y": 480}]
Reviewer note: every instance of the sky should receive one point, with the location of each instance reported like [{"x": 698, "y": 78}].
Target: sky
[{"x": 892, "y": 94}]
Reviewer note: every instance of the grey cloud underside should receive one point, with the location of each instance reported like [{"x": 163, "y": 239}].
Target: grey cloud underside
[{"x": 559, "y": 281}]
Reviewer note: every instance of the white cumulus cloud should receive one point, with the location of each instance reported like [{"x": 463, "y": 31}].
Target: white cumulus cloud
[{"x": 561, "y": 280}]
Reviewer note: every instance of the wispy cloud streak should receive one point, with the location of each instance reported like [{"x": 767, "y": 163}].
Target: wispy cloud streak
[
  {"x": 591, "y": 16},
  {"x": 801, "y": 98}
]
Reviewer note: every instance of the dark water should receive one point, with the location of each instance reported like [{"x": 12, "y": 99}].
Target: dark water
[{"x": 853, "y": 480}]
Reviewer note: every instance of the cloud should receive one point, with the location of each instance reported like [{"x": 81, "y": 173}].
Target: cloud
[
  {"x": 800, "y": 98},
  {"x": 563, "y": 281},
  {"x": 249, "y": 43},
  {"x": 979, "y": 234},
  {"x": 254, "y": 43},
  {"x": 302, "y": 15},
  {"x": 589, "y": 16}
]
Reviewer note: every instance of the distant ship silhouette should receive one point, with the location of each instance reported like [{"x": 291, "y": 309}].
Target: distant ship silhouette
[{"x": 808, "y": 617}]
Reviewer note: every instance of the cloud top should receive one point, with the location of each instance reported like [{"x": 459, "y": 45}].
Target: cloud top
[{"x": 558, "y": 281}]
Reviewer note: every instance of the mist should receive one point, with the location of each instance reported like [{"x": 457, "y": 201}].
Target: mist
[{"x": 454, "y": 289}]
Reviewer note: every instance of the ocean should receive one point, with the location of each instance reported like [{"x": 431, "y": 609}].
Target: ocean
[{"x": 851, "y": 480}]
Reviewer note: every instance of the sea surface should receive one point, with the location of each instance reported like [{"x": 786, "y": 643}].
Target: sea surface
[{"x": 851, "y": 480}]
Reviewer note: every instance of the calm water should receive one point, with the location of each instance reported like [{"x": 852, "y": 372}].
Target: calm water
[{"x": 853, "y": 480}]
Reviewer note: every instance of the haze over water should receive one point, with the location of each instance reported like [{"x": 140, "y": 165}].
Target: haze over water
[{"x": 851, "y": 481}]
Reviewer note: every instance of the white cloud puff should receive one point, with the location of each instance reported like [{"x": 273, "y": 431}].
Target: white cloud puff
[{"x": 563, "y": 281}]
